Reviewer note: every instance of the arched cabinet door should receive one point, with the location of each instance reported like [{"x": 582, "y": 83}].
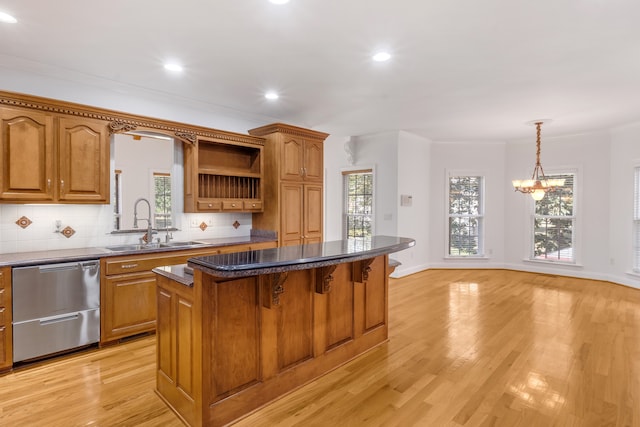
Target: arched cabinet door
[
  {"x": 83, "y": 161},
  {"x": 26, "y": 152}
]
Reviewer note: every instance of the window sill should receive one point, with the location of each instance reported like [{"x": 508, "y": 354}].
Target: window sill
[
  {"x": 635, "y": 274},
  {"x": 558, "y": 263},
  {"x": 465, "y": 258}
]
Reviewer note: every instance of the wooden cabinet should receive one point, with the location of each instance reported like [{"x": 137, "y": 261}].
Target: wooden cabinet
[
  {"x": 293, "y": 184},
  {"x": 128, "y": 290},
  {"x": 83, "y": 161},
  {"x": 226, "y": 346},
  {"x": 49, "y": 158},
  {"x": 223, "y": 176},
  {"x": 26, "y": 152},
  {"x": 302, "y": 159},
  {"x": 6, "y": 336}
]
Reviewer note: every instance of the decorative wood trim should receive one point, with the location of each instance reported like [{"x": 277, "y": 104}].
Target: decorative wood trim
[
  {"x": 275, "y": 287},
  {"x": 118, "y": 126},
  {"x": 366, "y": 268},
  {"x": 361, "y": 270},
  {"x": 123, "y": 122},
  {"x": 289, "y": 130},
  {"x": 324, "y": 277}
]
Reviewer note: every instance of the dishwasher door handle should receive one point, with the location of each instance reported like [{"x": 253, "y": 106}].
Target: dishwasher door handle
[
  {"x": 57, "y": 319},
  {"x": 59, "y": 267}
]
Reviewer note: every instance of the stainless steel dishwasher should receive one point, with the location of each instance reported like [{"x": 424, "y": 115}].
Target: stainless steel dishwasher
[{"x": 56, "y": 307}]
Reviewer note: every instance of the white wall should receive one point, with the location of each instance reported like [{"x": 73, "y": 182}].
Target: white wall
[
  {"x": 413, "y": 221},
  {"x": 335, "y": 160},
  {"x": 625, "y": 155},
  {"x": 381, "y": 152},
  {"x": 486, "y": 159},
  {"x": 589, "y": 155},
  {"x": 138, "y": 160},
  {"x": 400, "y": 163}
]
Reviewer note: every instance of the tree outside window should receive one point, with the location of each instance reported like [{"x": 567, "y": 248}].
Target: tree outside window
[
  {"x": 162, "y": 211},
  {"x": 466, "y": 215},
  {"x": 358, "y": 207},
  {"x": 554, "y": 223}
]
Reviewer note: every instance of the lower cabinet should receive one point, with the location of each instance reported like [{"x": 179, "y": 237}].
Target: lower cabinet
[
  {"x": 128, "y": 291},
  {"x": 6, "y": 336}
]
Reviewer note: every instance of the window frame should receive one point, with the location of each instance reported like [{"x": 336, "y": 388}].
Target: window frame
[
  {"x": 345, "y": 195},
  {"x": 481, "y": 216},
  {"x": 171, "y": 214},
  {"x": 635, "y": 224},
  {"x": 575, "y": 218}
]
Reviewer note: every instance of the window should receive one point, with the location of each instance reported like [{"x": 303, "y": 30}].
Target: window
[
  {"x": 466, "y": 216},
  {"x": 636, "y": 222},
  {"x": 162, "y": 197},
  {"x": 117, "y": 200},
  {"x": 358, "y": 206},
  {"x": 554, "y": 223}
]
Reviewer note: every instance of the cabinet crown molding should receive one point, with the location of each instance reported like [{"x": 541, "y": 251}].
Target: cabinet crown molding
[
  {"x": 289, "y": 130},
  {"x": 122, "y": 122}
]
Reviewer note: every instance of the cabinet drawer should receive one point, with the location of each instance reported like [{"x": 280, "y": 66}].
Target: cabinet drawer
[
  {"x": 209, "y": 205},
  {"x": 231, "y": 205},
  {"x": 253, "y": 205},
  {"x": 147, "y": 263}
]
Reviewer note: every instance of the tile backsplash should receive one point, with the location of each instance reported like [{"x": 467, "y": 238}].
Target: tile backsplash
[{"x": 92, "y": 225}]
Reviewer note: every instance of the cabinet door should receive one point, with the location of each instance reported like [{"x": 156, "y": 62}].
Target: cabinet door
[
  {"x": 291, "y": 211},
  {"x": 313, "y": 161},
  {"x": 130, "y": 305},
  {"x": 292, "y": 165},
  {"x": 84, "y": 161},
  {"x": 26, "y": 152},
  {"x": 312, "y": 214}
]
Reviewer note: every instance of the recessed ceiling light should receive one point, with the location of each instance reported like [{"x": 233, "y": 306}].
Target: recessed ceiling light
[
  {"x": 381, "y": 57},
  {"x": 279, "y": 1},
  {"x": 6, "y": 18},
  {"x": 271, "y": 95},
  {"x": 172, "y": 66}
]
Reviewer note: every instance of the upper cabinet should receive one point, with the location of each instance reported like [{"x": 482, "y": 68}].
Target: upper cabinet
[
  {"x": 83, "y": 161},
  {"x": 293, "y": 183},
  {"x": 301, "y": 159},
  {"x": 51, "y": 158},
  {"x": 224, "y": 175},
  {"x": 26, "y": 152}
]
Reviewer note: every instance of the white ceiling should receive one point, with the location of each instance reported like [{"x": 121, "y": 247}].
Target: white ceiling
[{"x": 461, "y": 70}]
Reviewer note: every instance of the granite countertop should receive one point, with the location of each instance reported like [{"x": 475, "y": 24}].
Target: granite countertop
[
  {"x": 180, "y": 273},
  {"x": 23, "y": 259},
  {"x": 300, "y": 257}
]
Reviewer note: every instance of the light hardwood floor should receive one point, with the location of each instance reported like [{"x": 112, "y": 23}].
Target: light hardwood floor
[{"x": 466, "y": 348}]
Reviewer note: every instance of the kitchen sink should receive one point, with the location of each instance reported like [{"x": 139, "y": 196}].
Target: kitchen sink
[
  {"x": 179, "y": 244},
  {"x": 136, "y": 247},
  {"x": 133, "y": 247}
]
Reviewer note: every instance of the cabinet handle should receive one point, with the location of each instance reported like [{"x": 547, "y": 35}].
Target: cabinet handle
[
  {"x": 129, "y": 265},
  {"x": 49, "y": 184},
  {"x": 305, "y": 171},
  {"x": 233, "y": 205},
  {"x": 62, "y": 183},
  {"x": 301, "y": 171},
  {"x": 210, "y": 205},
  {"x": 254, "y": 205}
]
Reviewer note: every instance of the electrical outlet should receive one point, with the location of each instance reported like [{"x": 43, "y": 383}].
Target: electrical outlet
[{"x": 194, "y": 223}]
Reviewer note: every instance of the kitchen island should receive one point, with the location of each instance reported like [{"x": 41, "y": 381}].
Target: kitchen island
[{"x": 249, "y": 327}]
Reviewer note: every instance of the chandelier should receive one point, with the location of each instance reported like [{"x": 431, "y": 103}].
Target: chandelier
[{"x": 538, "y": 185}]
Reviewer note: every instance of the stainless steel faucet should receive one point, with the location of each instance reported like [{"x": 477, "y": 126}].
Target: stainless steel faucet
[{"x": 150, "y": 231}]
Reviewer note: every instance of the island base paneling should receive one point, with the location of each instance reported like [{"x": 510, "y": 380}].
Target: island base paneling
[{"x": 229, "y": 346}]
